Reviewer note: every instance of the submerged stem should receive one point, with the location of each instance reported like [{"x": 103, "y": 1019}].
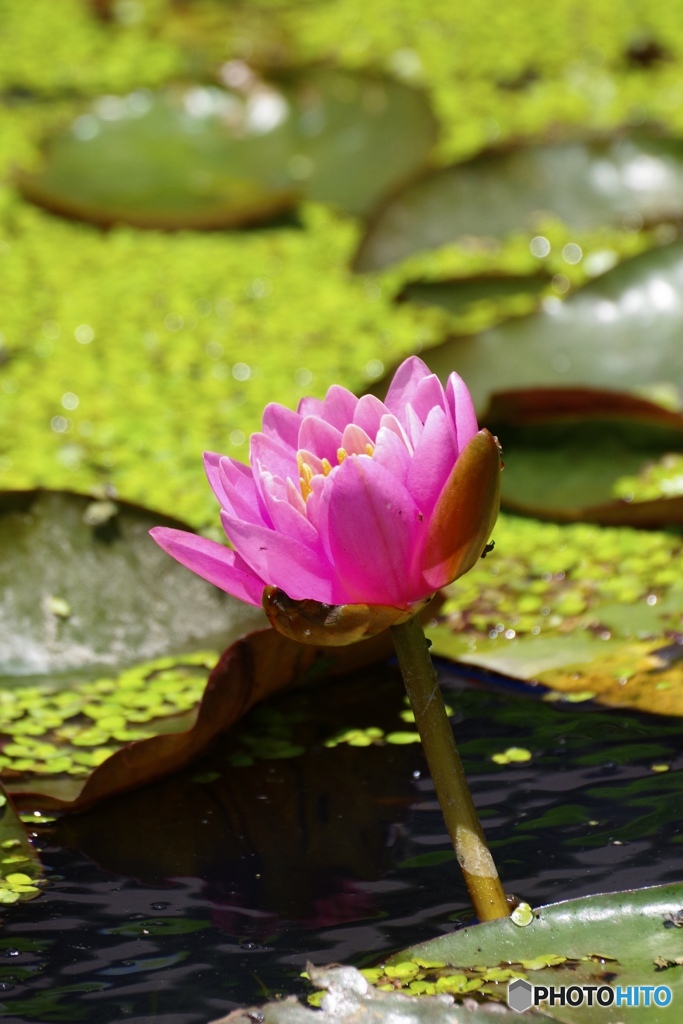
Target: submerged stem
[{"x": 462, "y": 822}]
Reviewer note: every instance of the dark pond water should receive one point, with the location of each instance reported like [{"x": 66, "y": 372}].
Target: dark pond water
[{"x": 213, "y": 889}]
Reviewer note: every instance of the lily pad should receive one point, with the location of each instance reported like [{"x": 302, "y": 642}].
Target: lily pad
[
  {"x": 350, "y": 999},
  {"x": 159, "y": 160},
  {"x": 458, "y": 295},
  {"x": 584, "y": 455},
  {"x": 85, "y": 586},
  {"x": 618, "y": 939},
  {"x": 213, "y": 157},
  {"x": 89, "y": 588},
  {"x": 620, "y": 332},
  {"x": 594, "y": 612},
  {"x": 251, "y": 799},
  {"x": 249, "y": 671},
  {"x": 623, "y": 181}
]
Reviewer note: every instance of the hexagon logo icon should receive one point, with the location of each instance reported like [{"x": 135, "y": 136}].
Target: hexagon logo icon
[{"x": 520, "y": 995}]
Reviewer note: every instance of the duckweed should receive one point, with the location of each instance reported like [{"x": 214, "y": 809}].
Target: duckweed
[
  {"x": 357, "y": 737},
  {"x": 268, "y": 734},
  {"x": 522, "y": 915},
  {"x": 422, "y": 977},
  {"x": 513, "y": 755},
  {"x": 544, "y": 578},
  {"x": 128, "y": 353},
  {"x": 71, "y": 734},
  {"x": 660, "y": 479}
]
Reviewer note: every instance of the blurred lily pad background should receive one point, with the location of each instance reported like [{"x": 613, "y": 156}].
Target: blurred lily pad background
[
  {"x": 206, "y": 206},
  {"x": 336, "y": 134}
]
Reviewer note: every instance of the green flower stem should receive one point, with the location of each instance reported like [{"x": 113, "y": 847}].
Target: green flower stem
[{"x": 464, "y": 828}]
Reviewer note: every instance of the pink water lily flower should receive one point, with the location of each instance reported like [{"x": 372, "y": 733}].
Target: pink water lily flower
[{"x": 352, "y": 502}]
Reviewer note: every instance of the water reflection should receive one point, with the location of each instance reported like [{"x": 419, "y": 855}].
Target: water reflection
[{"x": 213, "y": 888}]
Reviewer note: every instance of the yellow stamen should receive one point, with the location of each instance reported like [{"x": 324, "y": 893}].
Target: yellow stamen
[
  {"x": 306, "y": 472},
  {"x": 305, "y": 476}
]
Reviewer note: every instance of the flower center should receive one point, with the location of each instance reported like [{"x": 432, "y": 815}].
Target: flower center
[{"x": 307, "y": 472}]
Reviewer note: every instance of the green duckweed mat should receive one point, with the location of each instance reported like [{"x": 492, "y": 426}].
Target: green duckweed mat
[{"x": 124, "y": 354}]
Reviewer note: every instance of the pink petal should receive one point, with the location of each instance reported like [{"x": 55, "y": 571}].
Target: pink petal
[
  {"x": 462, "y": 410},
  {"x": 294, "y": 496},
  {"x": 213, "y": 562},
  {"x": 390, "y": 422},
  {"x": 310, "y": 407},
  {"x": 282, "y": 561},
  {"x": 211, "y": 463},
  {"x": 368, "y": 415},
  {"x": 373, "y": 527},
  {"x": 282, "y": 423},
  {"x": 285, "y": 517},
  {"x": 391, "y": 452},
  {"x": 428, "y": 395},
  {"x": 339, "y": 406},
  {"x": 240, "y": 493},
  {"x": 404, "y": 385},
  {"x": 317, "y": 511},
  {"x": 433, "y": 461},
  {"x": 321, "y": 438},
  {"x": 355, "y": 440},
  {"x": 269, "y": 453},
  {"x": 314, "y": 463},
  {"x": 413, "y": 425}
]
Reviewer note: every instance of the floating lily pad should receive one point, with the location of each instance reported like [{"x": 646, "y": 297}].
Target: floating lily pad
[
  {"x": 84, "y": 585},
  {"x": 620, "y": 332},
  {"x": 458, "y": 295},
  {"x": 580, "y": 455},
  {"x": 579, "y": 608},
  {"x": 618, "y": 939},
  {"x": 348, "y": 998},
  {"x": 622, "y": 181},
  {"x": 89, "y": 588},
  {"x": 159, "y": 160},
  {"x": 213, "y": 157},
  {"x": 250, "y": 801},
  {"x": 250, "y": 670},
  {"x": 639, "y": 675}
]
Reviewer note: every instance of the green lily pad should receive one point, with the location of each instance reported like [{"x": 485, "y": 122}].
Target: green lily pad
[
  {"x": 248, "y": 804},
  {"x": 89, "y": 588},
  {"x": 212, "y": 157},
  {"x": 511, "y": 293},
  {"x": 86, "y": 586},
  {"x": 348, "y": 998},
  {"x": 580, "y": 455},
  {"x": 624, "y": 181},
  {"x": 590, "y": 611},
  {"x": 620, "y": 332},
  {"x": 618, "y": 939},
  {"x": 158, "y": 160},
  {"x": 249, "y": 671}
]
